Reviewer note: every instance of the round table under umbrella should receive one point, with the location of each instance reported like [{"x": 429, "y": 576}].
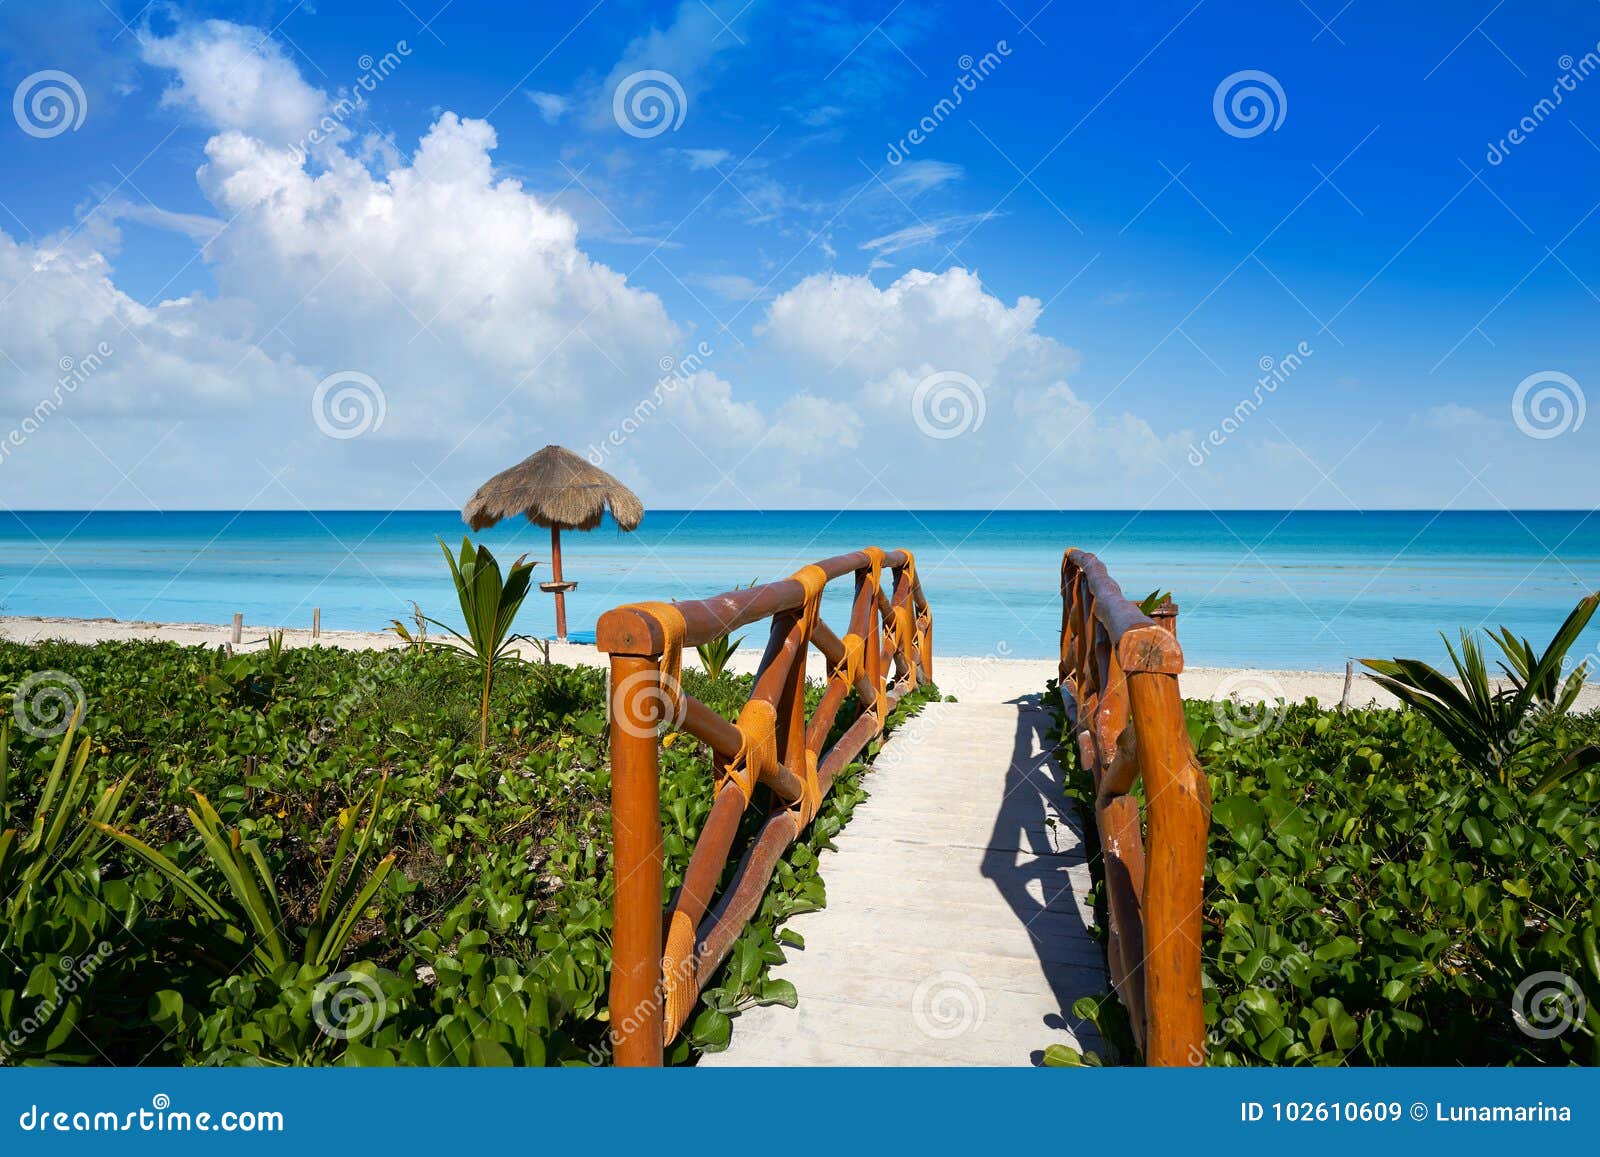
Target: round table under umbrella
[{"x": 558, "y": 489}]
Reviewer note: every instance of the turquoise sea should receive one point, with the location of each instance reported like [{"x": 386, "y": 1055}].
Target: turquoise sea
[{"x": 1303, "y": 590}]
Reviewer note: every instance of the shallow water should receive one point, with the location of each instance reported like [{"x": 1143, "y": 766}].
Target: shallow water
[{"x": 1256, "y": 588}]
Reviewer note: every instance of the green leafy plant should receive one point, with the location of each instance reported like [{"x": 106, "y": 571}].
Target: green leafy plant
[
  {"x": 247, "y": 680},
  {"x": 714, "y": 655},
  {"x": 275, "y": 647},
  {"x": 489, "y": 604},
  {"x": 59, "y": 922},
  {"x": 251, "y": 911},
  {"x": 1495, "y": 729},
  {"x": 55, "y": 838},
  {"x": 489, "y": 940},
  {"x": 415, "y": 636},
  {"x": 1372, "y": 899},
  {"x": 1153, "y": 600}
]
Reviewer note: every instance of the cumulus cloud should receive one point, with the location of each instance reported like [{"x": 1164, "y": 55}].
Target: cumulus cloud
[
  {"x": 486, "y": 329},
  {"x": 816, "y": 427},
  {"x": 959, "y": 390},
  {"x": 947, "y": 319},
  {"x": 467, "y": 299},
  {"x": 236, "y": 77}
]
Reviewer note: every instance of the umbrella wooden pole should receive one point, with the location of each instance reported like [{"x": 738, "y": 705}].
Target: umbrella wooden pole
[{"x": 555, "y": 573}]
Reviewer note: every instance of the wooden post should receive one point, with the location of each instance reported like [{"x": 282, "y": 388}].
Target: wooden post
[
  {"x": 637, "y": 997},
  {"x": 1166, "y": 615},
  {"x": 1349, "y": 674},
  {"x": 872, "y": 656},
  {"x": 1179, "y": 808},
  {"x": 555, "y": 574},
  {"x": 316, "y": 622},
  {"x": 238, "y": 627}
]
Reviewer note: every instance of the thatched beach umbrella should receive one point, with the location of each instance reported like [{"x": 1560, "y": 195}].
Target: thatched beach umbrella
[{"x": 558, "y": 489}]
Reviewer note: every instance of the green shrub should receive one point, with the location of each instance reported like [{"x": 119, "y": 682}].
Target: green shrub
[
  {"x": 1371, "y": 899},
  {"x": 488, "y": 942},
  {"x": 1496, "y": 729}
]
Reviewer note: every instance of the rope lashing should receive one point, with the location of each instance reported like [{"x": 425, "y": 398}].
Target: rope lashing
[
  {"x": 677, "y": 973},
  {"x": 758, "y": 747},
  {"x": 810, "y": 802},
  {"x": 673, "y": 629},
  {"x": 855, "y": 654},
  {"x": 905, "y": 619},
  {"x": 812, "y": 580},
  {"x": 875, "y": 580}
]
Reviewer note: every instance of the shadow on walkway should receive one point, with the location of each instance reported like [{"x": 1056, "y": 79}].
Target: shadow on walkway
[{"x": 1037, "y": 850}]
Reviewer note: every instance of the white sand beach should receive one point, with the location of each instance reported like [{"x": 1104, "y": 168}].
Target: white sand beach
[{"x": 985, "y": 679}]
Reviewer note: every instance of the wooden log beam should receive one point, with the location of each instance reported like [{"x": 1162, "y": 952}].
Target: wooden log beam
[
  {"x": 634, "y": 630},
  {"x": 1179, "y": 804},
  {"x": 636, "y": 992}
]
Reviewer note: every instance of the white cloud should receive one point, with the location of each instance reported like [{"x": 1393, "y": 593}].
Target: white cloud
[
  {"x": 816, "y": 427},
  {"x": 946, "y": 319},
  {"x": 552, "y": 106},
  {"x": 865, "y": 350},
  {"x": 686, "y": 49},
  {"x": 472, "y": 304},
  {"x": 236, "y": 78},
  {"x": 1453, "y": 418},
  {"x": 706, "y": 158},
  {"x": 466, "y": 297},
  {"x": 918, "y": 177},
  {"x": 926, "y": 232},
  {"x": 733, "y": 286}
]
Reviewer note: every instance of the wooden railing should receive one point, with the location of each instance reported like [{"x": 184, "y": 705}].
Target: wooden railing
[
  {"x": 660, "y": 965},
  {"x": 1119, "y": 681}
]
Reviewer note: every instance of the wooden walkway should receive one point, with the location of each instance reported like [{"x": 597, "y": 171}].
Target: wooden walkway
[{"x": 956, "y": 931}]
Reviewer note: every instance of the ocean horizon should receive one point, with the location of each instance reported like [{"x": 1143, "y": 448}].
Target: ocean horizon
[{"x": 1303, "y": 590}]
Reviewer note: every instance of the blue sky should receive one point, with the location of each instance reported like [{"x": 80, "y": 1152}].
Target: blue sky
[{"x": 1062, "y": 294}]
